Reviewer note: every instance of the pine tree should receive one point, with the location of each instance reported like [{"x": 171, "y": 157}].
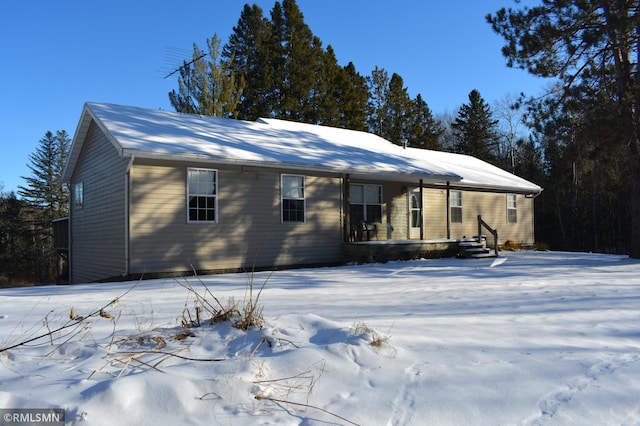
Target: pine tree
[
  {"x": 378, "y": 109},
  {"x": 249, "y": 54},
  {"x": 302, "y": 52},
  {"x": 476, "y": 129},
  {"x": 45, "y": 189},
  {"x": 345, "y": 100},
  {"x": 423, "y": 130},
  {"x": 16, "y": 241},
  {"x": 207, "y": 86},
  {"x": 329, "y": 97},
  {"x": 355, "y": 95},
  {"x": 593, "y": 44},
  {"x": 46, "y": 198},
  {"x": 398, "y": 110}
]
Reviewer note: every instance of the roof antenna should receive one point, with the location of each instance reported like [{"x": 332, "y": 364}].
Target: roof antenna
[{"x": 186, "y": 67}]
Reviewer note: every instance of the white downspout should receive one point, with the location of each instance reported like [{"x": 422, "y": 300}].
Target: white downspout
[
  {"x": 69, "y": 235},
  {"x": 127, "y": 184}
]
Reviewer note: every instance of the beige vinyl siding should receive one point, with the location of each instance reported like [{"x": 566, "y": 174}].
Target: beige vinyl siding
[
  {"x": 249, "y": 230},
  {"x": 521, "y": 232},
  {"x": 98, "y": 228},
  {"x": 435, "y": 212},
  {"x": 396, "y": 209},
  {"x": 493, "y": 208}
]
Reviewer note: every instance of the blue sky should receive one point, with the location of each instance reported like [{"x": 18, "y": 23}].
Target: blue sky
[{"x": 57, "y": 55}]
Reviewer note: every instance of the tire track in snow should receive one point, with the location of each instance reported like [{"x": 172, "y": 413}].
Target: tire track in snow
[
  {"x": 404, "y": 405},
  {"x": 551, "y": 403}
]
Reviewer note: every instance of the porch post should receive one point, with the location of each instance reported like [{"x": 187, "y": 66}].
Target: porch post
[
  {"x": 421, "y": 211},
  {"x": 448, "y": 212},
  {"x": 346, "y": 181}
]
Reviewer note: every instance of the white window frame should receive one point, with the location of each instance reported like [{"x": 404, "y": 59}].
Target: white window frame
[
  {"x": 285, "y": 195},
  {"x": 456, "y": 203},
  {"x": 367, "y": 202},
  {"x": 193, "y": 191},
  {"x": 512, "y": 208},
  {"x": 78, "y": 195}
]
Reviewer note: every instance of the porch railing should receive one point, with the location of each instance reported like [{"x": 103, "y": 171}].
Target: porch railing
[{"x": 483, "y": 224}]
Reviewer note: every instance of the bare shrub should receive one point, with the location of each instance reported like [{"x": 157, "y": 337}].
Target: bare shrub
[{"x": 380, "y": 343}]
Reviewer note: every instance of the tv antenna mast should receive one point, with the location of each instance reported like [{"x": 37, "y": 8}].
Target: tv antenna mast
[{"x": 186, "y": 66}]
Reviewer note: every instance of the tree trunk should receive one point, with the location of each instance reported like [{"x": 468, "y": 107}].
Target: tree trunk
[{"x": 624, "y": 45}]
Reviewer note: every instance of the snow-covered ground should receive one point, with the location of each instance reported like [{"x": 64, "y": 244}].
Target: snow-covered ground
[{"x": 528, "y": 338}]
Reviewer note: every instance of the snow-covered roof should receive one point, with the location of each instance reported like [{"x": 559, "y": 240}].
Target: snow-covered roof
[
  {"x": 476, "y": 174},
  {"x": 148, "y": 133}
]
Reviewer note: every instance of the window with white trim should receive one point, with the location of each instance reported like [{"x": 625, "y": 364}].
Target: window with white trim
[
  {"x": 293, "y": 201},
  {"x": 365, "y": 203},
  {"x": 202, "y": 195},
  {"x": 512, "y": 208},
  {"x": 455, "y": 203}
]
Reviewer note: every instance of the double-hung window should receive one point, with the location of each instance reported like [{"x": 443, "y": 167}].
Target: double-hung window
[
  {"x": 202, "y": 195},
  {"x": 455, "y": 202},
  {"x": 293, "y": 201},
  {"x": 512, "y": 208},
  {"x": 365, "y": 204}
]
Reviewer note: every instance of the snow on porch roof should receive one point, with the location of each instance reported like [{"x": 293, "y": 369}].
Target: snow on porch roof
[{"x": 148, "y": 133}]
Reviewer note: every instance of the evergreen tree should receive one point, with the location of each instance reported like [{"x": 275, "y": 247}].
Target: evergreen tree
[
  {"x": 331, "y": 91},
  {"x": 353, "y": 99},
  {"x": 45, "y": 189},
  {"x": 207, "y": 86},
  {"x": 378, "y": 109},
  {"x": 16, "y": 241},
  {"x": 398, "y": 104},
  {"x": 300, "y": 91},
  {"x": 423, "y": 129},
  {"x": 476, "y": 129},
  {"x": 592, "y": 44},
  {"x": 45, "y": 197},
  {"x": 585, "y": 203},
  {"x": 249, "y": 54}
]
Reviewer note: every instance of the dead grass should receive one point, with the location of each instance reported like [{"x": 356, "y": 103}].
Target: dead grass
[
  {"x": 511, "y": 246},
  {"x": 379, "y": 342}
]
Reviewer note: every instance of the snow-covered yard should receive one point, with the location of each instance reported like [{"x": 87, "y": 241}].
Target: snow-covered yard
[{"x": 527, "y": 338}]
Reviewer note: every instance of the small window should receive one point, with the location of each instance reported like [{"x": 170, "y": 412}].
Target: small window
[
  {"x": 293, "y": 198},
  {"x": 202, "y": 195},
  {"x": 512, "y": 208},
  {"x": 78, "y": 195},
  {"x": 455, "y": 200},
  {"x": 365, "y": 203}
]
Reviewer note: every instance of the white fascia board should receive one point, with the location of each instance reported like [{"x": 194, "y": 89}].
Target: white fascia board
[
  {"x": 525, "y": 190},
  {"x": 355, "y": 173}
]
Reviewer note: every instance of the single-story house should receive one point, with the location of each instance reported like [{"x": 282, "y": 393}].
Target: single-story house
[{"x": 158, "y": 192}]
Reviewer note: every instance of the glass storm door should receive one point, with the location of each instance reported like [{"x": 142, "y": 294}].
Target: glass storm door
[{"x": 415, "y": 217}]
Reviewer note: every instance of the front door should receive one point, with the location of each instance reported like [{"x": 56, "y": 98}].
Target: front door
[{"x": 415, "y": 214}]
